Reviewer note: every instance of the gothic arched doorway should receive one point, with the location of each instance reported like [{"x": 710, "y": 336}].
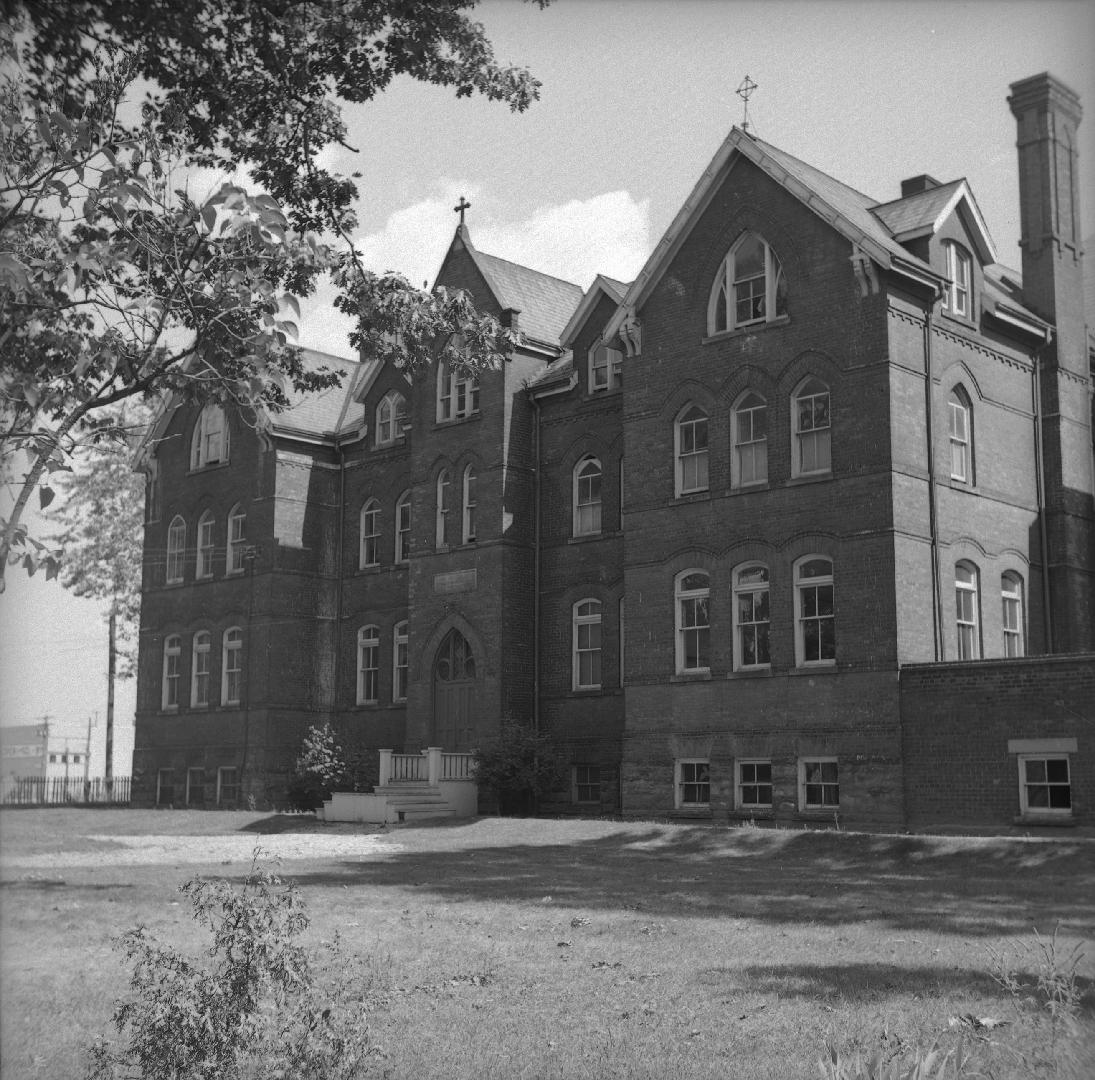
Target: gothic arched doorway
[{"x": 454, "y": 694}]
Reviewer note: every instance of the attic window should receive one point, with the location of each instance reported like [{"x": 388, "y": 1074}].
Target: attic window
[
  {"x": 210, "y": 441},
  {"x": 605, "y": 368},
  {"x": 956, "y": 300},
  {"x": 749, "y": 288}
]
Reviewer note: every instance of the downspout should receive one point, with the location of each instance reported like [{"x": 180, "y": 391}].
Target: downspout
[
  {"x": 536, "y": 567},
  {"x": 933, "y": 513},
  {"x": 339, "y": 573},
  {"x": 1040, "y": 489}
]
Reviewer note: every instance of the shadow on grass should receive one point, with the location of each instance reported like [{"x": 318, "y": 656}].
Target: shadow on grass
[{"x": 906, "y": 883}]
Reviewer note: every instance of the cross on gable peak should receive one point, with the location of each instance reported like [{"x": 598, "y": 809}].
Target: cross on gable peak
[{"x": 461, "y": 207}]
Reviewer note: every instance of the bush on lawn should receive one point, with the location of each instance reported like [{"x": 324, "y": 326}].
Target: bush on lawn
[{"x": 519, "y": 766}]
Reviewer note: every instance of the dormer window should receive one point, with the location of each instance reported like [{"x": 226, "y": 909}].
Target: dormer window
[
  {"x": 391, "y": 415},
  {"x": 956, "y": 299},
  {"x": 749, "y": 288},
  {"x": 605, "y": 368},
  {"x": 210, "y": 442}
]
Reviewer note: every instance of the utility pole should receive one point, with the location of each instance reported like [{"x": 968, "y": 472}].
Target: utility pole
[{"x": 112, "y": 663}]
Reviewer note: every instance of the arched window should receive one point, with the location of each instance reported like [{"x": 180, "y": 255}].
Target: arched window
[
  {"x": 587, "y": 497},
  {"x": 391, "y": 415},
  {"x": 960, "y": 428},
  {"x": 440, "y": 527},
  {"x": 457, "y": 393},
  {"x": 199, "y": 671},
  {"x": 751, "y": 617},
  {"x": 370, "y": 535},
  {"x": 176, "y": 548},
  {"x": 237, "y": 540},
  {"x": 172, "y": 651},
  {"x": 1011, "y": 595},
  {"x": 605, "y": 368},
  {"x": 403, "y": 527},
  {"x": 958, "y": 297},
  {"x": 209, "y": 445},
  {"x": 470, "y": 506},
  {"x": 693, "y": 593},
  {"x": 690, "y": 437},
  {"x": 749, "y": 288},
  {"x": 749, "y": 435},
  {"x": 232, "y": 666},
  {"x": 967, "y": 606},
  {"x": 810, "y": 420},
  {"x": 400, "y": 662},
  {"x": 368, "y": 665},
  {"x": 815, "y": 622},
  {"x": 586, "y": 639},
  {"x": 205, "y": 545}
]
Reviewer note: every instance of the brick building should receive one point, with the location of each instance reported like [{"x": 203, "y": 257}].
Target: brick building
[{"x": 800, "y": 524}]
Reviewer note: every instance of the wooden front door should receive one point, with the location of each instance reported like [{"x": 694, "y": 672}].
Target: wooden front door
[{"x": 454, "y": 694}]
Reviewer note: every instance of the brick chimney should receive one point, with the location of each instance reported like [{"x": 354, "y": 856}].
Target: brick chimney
[{"x": 914, "y": 185}]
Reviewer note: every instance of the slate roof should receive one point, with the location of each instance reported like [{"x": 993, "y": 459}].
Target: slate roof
[
  {"x": 329, "y": 412},
  {"x": 915, "y": 212},
  {"x": 558, "y": 371}
]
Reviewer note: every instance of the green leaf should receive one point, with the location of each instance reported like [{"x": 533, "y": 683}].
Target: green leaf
[{"x": 46, "y": 495}]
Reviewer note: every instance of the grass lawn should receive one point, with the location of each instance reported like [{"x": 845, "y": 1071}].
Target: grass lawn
[{"x": 524, "y": 948}]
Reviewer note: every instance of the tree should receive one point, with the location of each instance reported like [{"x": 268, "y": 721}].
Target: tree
[{"x": 115, "y": 283}]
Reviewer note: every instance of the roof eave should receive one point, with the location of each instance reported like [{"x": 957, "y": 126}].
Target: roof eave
[{"x": 582, "y": 312}]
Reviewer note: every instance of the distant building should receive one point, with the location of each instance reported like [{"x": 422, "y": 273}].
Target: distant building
[
  {"x": 33, "y": 750},
  {"x": 798, "y": 526}
]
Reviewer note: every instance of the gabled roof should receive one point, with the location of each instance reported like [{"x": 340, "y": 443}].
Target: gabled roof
[
  {"x": 602, "y": 286},
  {"x": 326, "y": 413},
  {"x": 558, "y": 371},
  {"x": 545, "y": 303},
  {"x": 924, "y": 213}
]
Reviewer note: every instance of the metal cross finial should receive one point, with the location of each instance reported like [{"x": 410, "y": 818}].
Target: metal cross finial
[
  {"x": 461, "y": 207},
  {"x": 743, "y": 91}
]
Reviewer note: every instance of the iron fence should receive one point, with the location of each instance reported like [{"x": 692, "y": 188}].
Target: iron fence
[{"x": 62, "y": 790}]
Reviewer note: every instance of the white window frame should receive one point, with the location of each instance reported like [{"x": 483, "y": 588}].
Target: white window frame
[
  {"x": 578, "y": 783},
  {"x": 684, "y": 599},
  {"x": 812, "y": 452},
  {"x": 200, "y": 667},
  {"x": 222, "y": 784},
  {"x": 586, "y": 643},
  {"x": 960, "y": 435},
  {"x": 400, "y": 661},
  {"x": 457, "y": 394},
  {"x": 176, "y": 550},
  {"x": 740, "y": 783},
  {"x": 209, "y": 444},
  {"x": 811, "y": 611},
  {"x": 749, "y": 412},
  {"x": 685, "y": 775},
  {"x": 605, "y": 368},
  {"x": 368, "y": 665},
  {"x": 755, "y": 628},
  {"x": 441, "y": 518},
  {"x": 369, "y": 534},
  {"x": 690, "y": 421},
  {"x": 206, "y": 548},
  {"x": 958, "y": 297},
  {"x": 1013, "y": 614},
  {"x": 1025, "y": 784},
  {"x": 172, "y": 663},
  {"x": 232, "y": 666},
  {"x": 403, "y": 528},
  {"x": 586, "y": 504},
  {"x": 804, "y": 783},
  {"x": 237, "y": 539},
  {"x": 722, "y": 306},
  {"x": 967, "y": 603},
  {"x": 391, "y": 416},
  {"x": 469, "y": 505}
]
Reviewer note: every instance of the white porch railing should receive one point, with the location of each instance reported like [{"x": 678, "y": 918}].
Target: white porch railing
[{"x": 431, "y": 766}]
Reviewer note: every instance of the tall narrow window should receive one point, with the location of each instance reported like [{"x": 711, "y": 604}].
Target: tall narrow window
[
  {"x": 691, "y": 440},
  {"x": 960, "y": 428},
  {"x": 587, "y": 645},
  {"x": 967, "y": 607},
  {"x": 232, "y": 666},
  {"x": 471, "y": 505},
  {"x": 209, "y": 445},
  {"x": 237, "y": 543},
  {"x": 391, "y": 415},
  {"x": 693, "y": 621},
  {"x": 587, "y": 497},
  {"x": 205, "y": 546},
  {"x": 400, "y": 662},
  {"x": 176, "y": 548},
  {"x": 751, "y": 619},
  {"x": 749, "y": 288},
  {"x": 815, "y": 625},
  {"x": 957, "y": 297},
  {"x": 1011, "y": 595},
  {"x": 368, "y": 665},
  {"x": 403, "y": 528},
  {"x": 442, "y": 520},
  {"x": 199, "y": 670},
  {"x": 228, "y": 785},
  {"x": 172, "y": 650},
  {"x": 457, "y": 393},
  {"x": 370, "y": 535},
  {"x": 812, "y": 428},
  {"x": 605, "y": 368},
  {"x": 749, "y": 433},
  {"x": 165, "y": 787}
]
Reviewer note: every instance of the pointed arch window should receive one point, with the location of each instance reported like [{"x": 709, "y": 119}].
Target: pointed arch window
[
  {"x": 199, "y": 674},
  {"x": 693, "y": 589},
  {"x": 967, "y": 611},
  {"x": 205, "y": 545},
  {"x": 690, "y": 436},
  {"x": 176, "y": 548},
  {"x": 751, "y": 618},
  {"x": 441, "y": 523},
  {"x": 403, "y": 528},
  {"x": 237, "y": 538},
  {"x": 370, "y": 535},
  {"x": 960, "y": 433},
  {"x": 232, "y": 666},
  {"x": 470, "y": 506},
  {"x": 368, "y": 665},
  {"x": 812, "y": 427},
  {"x": 391, "y": 416},
  {"x": 209, "y": 445},
  {"x": 1011, "y": 595},
  {"x": 587, "y": 497},
  {"x": 749, "y": 435},
  {"x": 457, "y": 393},
  {"x": 749, "y": 288},
  {"x": 586, "y": 637}
]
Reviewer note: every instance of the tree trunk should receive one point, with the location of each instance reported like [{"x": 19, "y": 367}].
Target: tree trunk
[{"x": 111, "y": 666}]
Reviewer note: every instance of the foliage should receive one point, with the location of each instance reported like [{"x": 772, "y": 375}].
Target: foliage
[
  {"x": 520, "y": 766},
  {"x": 930, "y": 1064},
  {"x": 254, "y": 1008},
  {"x": 321, "y": 769}
]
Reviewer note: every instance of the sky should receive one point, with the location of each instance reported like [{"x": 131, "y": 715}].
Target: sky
[{"x": 637, "y": 96}]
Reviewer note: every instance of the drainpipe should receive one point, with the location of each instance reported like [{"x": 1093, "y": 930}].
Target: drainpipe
[
  {"x": 1040, "y": 489},
  {"x": 933, "y": 519},
  {"x": 339, "y": 573},
  {"x": 536, "y": 566}
]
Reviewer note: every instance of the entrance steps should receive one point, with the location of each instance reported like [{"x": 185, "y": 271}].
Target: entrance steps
[{"x": 414, "y": 800}]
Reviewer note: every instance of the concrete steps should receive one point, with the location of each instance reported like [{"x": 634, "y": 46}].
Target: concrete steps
[{"x": 414, "y": 801}]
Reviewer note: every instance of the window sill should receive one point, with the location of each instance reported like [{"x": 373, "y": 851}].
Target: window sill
[
  {"x": 751, "y": 673},
  {"x": 586, "y": 691},
  {"x": 700, "y": 495},
  {"x": 829, "y": 668},
  {"x": 967, "y": 321},
  {"x": 697, "y": 811},
  {"x": 1062, "y": 821},
  {"x": 457, "y": 420},
  {"x": 691, "y": 676},
  {"x": 211, "y": 467},
  {"x": 745, "y": 489},
  {"x": 749, "y": 328},
  {"x": 585, "y": 538},
  {"x": 392, "y": 444},
  {"x": 752, "y": 813},
  {"x": 808, "y": 478}
]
